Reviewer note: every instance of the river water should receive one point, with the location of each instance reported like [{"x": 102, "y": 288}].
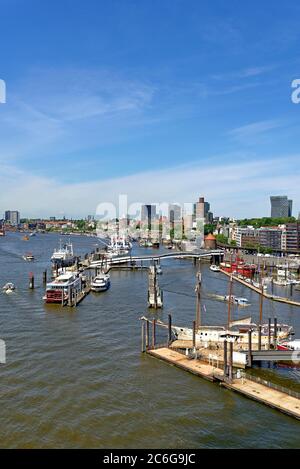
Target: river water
[{"x": 75, "y": 377}]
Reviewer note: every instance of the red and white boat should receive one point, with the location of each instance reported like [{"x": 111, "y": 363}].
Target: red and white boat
[
  {"x": 60, "y": 290},
  {"x": 289, "y": 345}
]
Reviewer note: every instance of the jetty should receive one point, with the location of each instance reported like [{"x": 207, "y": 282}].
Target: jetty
[
  {"x": 220, "y": 370},
  {"x": 280, "y": 299}
]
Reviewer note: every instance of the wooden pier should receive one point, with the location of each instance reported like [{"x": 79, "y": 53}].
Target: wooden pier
[
  {"x": 208, "y": 367},
  {"x": 258, "y": 290},
  {"x": 279, "y": 399}
]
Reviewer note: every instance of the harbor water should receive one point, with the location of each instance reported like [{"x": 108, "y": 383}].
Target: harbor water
[{"x": 75, "y": 377}]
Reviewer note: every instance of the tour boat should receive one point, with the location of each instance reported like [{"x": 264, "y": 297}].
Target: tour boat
[
  {"x": 215, "y": 268},
  {"x": 61, "y": 289},
  {"x": 63, "y": 256},
  {"x": 100, "y": 283},
  {"x": 8, "y": 287},
  {"x": 28, "y": 256}
]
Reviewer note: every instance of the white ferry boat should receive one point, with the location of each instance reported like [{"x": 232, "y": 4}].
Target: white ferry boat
[{"x": 100, "y": 283}]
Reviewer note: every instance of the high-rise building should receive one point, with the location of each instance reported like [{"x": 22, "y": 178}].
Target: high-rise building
[
  {"x": 200, "y": 208},
  {"x": 148, "y": 215},
  {"x": 12, "y": 217},
  {"x": 175, "y": 213},
  {"x": 281, "y": 206}
]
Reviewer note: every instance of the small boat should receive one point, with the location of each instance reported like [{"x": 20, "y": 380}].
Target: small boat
[
  {"x": 215, "y": 268},
  {"x": 25, "y": 238},
  {"x": 32, "y": 234},
  {"x": 237, "y": 300},
  {"x": 8, "y": 287},
  {"x": 28, "y": 256},
  {"x": 159, "y": 270},
  {"x": 100, "y": 283}
]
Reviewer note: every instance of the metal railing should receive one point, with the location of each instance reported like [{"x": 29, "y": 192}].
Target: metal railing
[{"x": 277, "y": 387}]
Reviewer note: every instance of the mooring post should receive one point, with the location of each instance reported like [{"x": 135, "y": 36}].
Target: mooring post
[
  {"x": 143, "y": 334},
  {"x": 275, "y": 332},
  {"x": 194, "y": 334},
  {"x": 147, "y": 335},
  {"x": 259, "y": 337},
  {"x": 153, "y": 333},
  {"x": 169, "y": 329},
  {"x": 230, "y": 360},
  {"x": 250, "y": 348},
  {"x": 45, "y": 277},
  {"x": 225, "y": 358},
  {"x": 31, "y": 281},
  {"x": 269, "y": 333}
]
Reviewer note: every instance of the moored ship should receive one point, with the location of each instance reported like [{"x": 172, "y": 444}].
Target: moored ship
[
  {"x": 61, "y": 289},
  {"x": 63, "y": 256}
]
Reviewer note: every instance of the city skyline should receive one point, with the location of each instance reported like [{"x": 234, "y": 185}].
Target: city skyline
[{"x": 118, "y": 106}]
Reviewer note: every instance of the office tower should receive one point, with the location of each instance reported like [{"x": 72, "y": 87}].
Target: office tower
[
  {"x": 281, "y": 206},
  {"x": 175, "y": 213},
  {"x": 12, "y": 217},
  {"x": 200, "y": 208},
  {"x": 148, "y": 215}
]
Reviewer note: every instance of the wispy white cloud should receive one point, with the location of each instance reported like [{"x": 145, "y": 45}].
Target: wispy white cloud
[
  {"x": 247, "y": 133},
  {"x": 237, "y": 189}
]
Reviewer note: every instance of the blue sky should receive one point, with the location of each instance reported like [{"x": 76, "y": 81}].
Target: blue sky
[{"x": 161, "y": 100}]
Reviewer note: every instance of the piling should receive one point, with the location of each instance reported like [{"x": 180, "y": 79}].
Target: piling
[
  {"x": 269, "y": 333},
  {"x": 31, "y": 281},
  {"x": 153, "y": 333},
  {"x": 259, "y": 337},
  {"x": 143, "y": 337},
  {"x": 230, "y": 375},
  {"x": 275, "y": 332},
  {"x": 250, "y": 348},
  {"x": 147, "y": 335},
  {"x": 45, "y": 277},
  {"x": 194, "y": 333},
  {"x": 225, "y": 357},
  {"x": 169, "y": 329}
]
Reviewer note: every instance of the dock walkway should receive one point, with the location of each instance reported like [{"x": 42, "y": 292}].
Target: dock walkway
[
  {"x": 275, "y": 398},
  {"x": 257, "y": 290}
]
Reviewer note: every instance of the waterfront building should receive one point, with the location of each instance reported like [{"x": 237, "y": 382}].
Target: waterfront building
[
  {"x": 270, "y": 237},
  {"x": 281, "y": 206},
  {"x": 292, "y": 236},
  {"x": 12, "y": 217}
]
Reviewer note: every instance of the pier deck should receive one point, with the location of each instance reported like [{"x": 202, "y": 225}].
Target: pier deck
[
  {"x": 265, "y": 295},
  {"x": 271, "y": 397},
  {"x": 260, "y": 392},
  {"x": 178, "y": 359}
]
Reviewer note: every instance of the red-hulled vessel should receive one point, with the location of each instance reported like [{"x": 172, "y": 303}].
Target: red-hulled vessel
[{"x": 240, "y": 267}]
